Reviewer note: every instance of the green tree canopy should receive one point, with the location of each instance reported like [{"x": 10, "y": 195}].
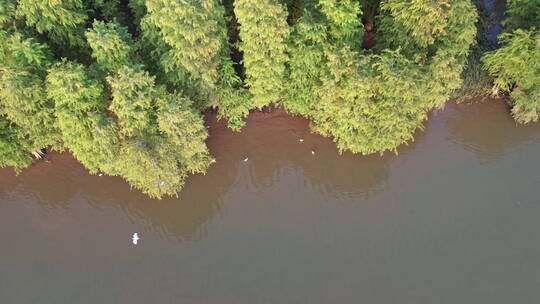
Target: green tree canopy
[
  {"x": 111, "y": 44},
  {"x": 263, "y": 34},
  {"x": 13, "y": 151},
  {"x": 23, "y": 65},
  {"x": 63, "y": 21},
  {"x": 516, "y": 69},
  {"x": 522, "y": 14},
  {"x": 371, "y": 102},
  {"x": 196, "y": 34},
  {"x": 79, "y": 107},
  {"x": 516, "y": 65},
  {"x": 162, "y": 135}
]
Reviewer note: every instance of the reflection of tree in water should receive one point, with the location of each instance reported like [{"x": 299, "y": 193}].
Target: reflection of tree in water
[
  {"x": 51, "y": 181},
  {"x": 487, "y": 128},
  {"x": 64, "y": 183},
  {"x": 272, "y": 143}
]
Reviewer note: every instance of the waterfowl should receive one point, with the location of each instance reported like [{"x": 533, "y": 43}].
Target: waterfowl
[{"x": 135, "y": 238}]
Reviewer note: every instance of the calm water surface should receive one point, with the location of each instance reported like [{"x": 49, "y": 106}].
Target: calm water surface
[{"x": 455, "y": 218}]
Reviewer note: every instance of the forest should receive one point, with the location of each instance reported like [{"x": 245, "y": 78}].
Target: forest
[{"x": 123, "y": 84}]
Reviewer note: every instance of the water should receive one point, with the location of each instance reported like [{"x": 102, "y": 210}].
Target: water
[{"x": 453, "y": 219}]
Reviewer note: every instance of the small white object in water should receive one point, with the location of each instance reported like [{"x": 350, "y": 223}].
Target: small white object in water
[
  {"x": 301, "y": 140},
  {"x": 246, "y": 159},
  {"x": 101, "y": 174},
  {"x": 213, "y": 161},
  {"x": 312, "y": 152},
  {"x": 135, "y": 238}
]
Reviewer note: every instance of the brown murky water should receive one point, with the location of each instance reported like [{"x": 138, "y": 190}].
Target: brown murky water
[{"x": 455, "y": 218}]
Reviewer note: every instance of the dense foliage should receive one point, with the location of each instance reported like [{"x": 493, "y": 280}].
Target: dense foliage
[
  {"x": 263, "y": 31},
  {"x": 373, "y": 100},
  {"x": 516, "y": 65},
  {"x": 122, "y": 84}
]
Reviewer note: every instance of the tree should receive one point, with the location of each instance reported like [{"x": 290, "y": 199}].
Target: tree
[
  {"x": 343, "y": 22},
  {"x": 516, "y": 65},
  {"x": 263, "y": 32},
  {"x": 162, "y": 137},
  {"x": 423, "y": 20},
  {"x": 307, "y": 63},
  {"x": 23, "y": 65},
  {"x": 522, "y": 14},
  {"x": 133, "y": 98},
  {"x": 372, "y": 102},
  {"x": 62, "y": 21},
  {"x": 7, "y": 12},
  {"x": 79, "y": 107},
  {"x": 111, "y": 44},
  {"x": 516, "y": 69},
  {"x": 196, "y": 33},
  {"x": 190, "y": 38},
  {"x": 110, "y": 11},
  {"x": 13, "y": 151},
  {"x": 325, "y": 27}
]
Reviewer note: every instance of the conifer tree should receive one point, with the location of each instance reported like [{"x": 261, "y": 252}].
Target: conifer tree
[
  {"x": 13, "y": 151},
  {"x": 373, "y": 102},
  {"x": 23, "y": 66},
  {"x": 522, "y": 14},
  {"x": 7, "y": 12},
  {"x": 196, "y": 33},
  {"x": 133, "y": 98},
  {"x": 162, "y": 137},
  {"x": 516, "y": 69},
  {"x": 79, "y": 107},
  {"x": 111, "y": 44},
  {"x": 63, "y": 21},
  {"x": 263, "y": 32},
  {"x": 190, "y": 38},
  {"x": 110, "y": 11},
  {"x": 516, "y": 65}
]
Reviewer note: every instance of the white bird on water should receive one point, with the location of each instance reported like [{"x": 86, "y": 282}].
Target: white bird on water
[
  {"x": 301, "y": 140},
  {"x": 246, "y": 159},
  {"x": 101, "y": 174},
  {"x": 135, "y": 238},
  {"x": 312, "y": 152}
]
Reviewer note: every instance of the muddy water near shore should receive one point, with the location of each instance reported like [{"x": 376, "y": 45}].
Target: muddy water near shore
[{"x": 452, "y": 219}]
